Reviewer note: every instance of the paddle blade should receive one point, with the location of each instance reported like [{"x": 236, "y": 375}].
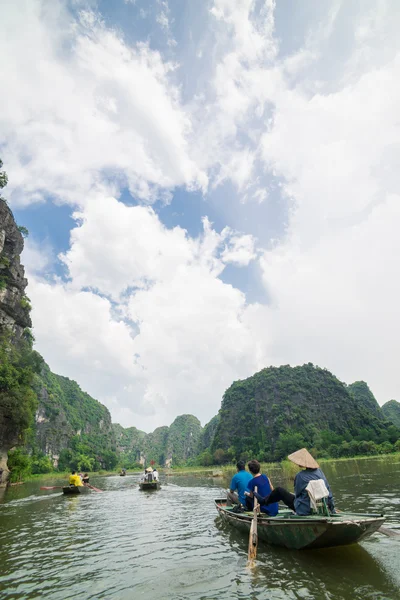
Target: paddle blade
[
  {"x": 253, "y": 541},
  {"x": 388, "y": 532},
  {"x": 253, "y": 538},
  {"x": 94, "y": 488}
]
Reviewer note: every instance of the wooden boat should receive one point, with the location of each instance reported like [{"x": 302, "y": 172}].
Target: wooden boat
[
  {"x": 149, "y": 485},
  {"x": 71, "y": 490},
  {"x": 297, "y": 532}
]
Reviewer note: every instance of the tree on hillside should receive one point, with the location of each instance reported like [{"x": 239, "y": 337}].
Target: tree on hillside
[{"x": 18, "y": 364}]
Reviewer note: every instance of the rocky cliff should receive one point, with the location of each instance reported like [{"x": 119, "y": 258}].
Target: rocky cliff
[
  {"x": 208, "y": 434},
  {"x": 365, "y": 398},
  {"x": 166, "y": 446},
  {"x": 130, "y": 443},
  {"x": 64, "y": 412},
  {"x": 183, "y": 439},
  {"x": 14, "y": 319},
  {"x": 277, "y": 408},
  {"x": 14, "y": 306}
]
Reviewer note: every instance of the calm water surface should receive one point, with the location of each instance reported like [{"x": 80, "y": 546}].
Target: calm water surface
[{"x": 126, "y": 544}]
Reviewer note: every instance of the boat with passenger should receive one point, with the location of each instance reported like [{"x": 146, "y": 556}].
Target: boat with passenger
[
  {"x": 149, "y": 485},
  {"x": 70, "y": 490},
  {"x": 150, "y": 480},
  {"x": 300, "y": 532}
]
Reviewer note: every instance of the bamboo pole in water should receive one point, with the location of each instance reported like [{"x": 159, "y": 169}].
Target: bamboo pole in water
[{"x": 253, "y": 536}]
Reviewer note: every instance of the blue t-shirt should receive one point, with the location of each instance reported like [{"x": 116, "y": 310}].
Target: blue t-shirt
[
  {"x": 302, "y": 499},
  {"x": 263, "y": 488},
  {"x": 239, "y": 484}
]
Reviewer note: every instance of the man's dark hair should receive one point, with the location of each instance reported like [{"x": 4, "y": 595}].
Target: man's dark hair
[
  {"x": 254, "y": 466},
  {"x": 240, "y": 465},
  {"x": 73, "y": 472}
]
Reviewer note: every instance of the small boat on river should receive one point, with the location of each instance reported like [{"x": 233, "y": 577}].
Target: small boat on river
[
  {"x": 70, "y": 490},
  {"x": 149, "y": 485},
  {"x": 299, "y": 532}
]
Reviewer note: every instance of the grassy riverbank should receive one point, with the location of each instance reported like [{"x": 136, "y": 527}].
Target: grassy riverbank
[
  {"x": 222, "y": 471},
  {"x": 57, "y": 475},
  {"x": 289, "y": 468}
]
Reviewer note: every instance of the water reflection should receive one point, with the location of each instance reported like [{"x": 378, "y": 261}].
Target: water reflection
[
  {"x": 126, "y": 544},
  {"x": 351, "y": 571}
]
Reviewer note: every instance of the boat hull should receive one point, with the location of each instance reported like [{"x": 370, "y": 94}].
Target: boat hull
[
  {"x": 149, "y": 485},
  {"x": 75, "y": 489},
  {"x": 297, "y": 532}
]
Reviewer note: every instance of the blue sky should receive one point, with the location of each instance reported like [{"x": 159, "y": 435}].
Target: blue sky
[{"x": 210, "y": 188}]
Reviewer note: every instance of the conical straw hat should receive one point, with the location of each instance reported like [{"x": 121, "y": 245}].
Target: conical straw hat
[
  {"x": 149, "y": 470},
  {"x": 304, "y": 459}
]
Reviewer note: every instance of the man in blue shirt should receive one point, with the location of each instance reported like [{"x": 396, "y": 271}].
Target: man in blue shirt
[
  {"x": 300, "y": 500},
  {"x": 238, "y": 485},
  {"x": 264, "y": 488}
]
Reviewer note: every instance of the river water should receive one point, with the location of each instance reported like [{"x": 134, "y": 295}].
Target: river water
[{"x": 125, "y": 544}]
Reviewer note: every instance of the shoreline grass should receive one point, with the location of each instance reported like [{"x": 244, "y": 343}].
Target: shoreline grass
[{"x": 218, "y": 471}]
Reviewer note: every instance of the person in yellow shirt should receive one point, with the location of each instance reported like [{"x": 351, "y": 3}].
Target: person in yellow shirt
[{"x": 74, "y": 479}]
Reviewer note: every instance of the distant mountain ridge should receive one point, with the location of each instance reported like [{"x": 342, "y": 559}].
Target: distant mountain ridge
[
  {"x": 391, "y": 410},
  {"x": 165, "y": 445},
  {"x": 280, "y": 408}
]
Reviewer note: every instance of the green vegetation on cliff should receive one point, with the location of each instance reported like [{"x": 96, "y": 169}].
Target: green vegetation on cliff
[
  {"x": 71, "y": 430},
  {"x": 391, "y": 410},
  {"x": 18, "y": 401},
  {"x": 183, "y": 439},
  {"x": 365, "y": 399},
  {"x": 280, "y": 409},
  {"x": 130, "y": 444},
  {"x": 155, "y": 446},
  {"x": 18, "y": 362},
  {"x": 71, "y": 426}
]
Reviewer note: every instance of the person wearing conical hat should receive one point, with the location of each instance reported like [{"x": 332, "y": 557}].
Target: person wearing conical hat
[
  {"x": 300, "y": 500},
  {"x": 148, "y": 474}
]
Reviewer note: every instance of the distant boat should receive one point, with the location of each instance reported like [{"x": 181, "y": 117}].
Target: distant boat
[
  {"x": 298, "y": 532},
  {"x": 149, "y": 485},
  {"x": 75, "y": 489}
]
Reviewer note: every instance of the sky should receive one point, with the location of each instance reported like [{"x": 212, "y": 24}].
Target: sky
[{"x": 210, "y": 188}]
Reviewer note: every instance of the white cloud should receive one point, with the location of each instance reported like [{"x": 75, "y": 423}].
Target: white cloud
[
  {"x": 171, "y": 330},
  {"x": 117, "y": 247},
  {"x": 333, "y": 279},
  {"x": 239, "y": 250},
  {"x": 37, "y": 258},
  {"x": 320, "y": 124},
  {"x": 95, "y": 106},
  {"x": 77, "y": 334}
]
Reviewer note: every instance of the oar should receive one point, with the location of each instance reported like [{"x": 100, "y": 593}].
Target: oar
[
  {"x": 93, "y": 488},
  {"x": 253, "y": 536},
  {"x": 388, "y": 532},
  {"x": 52, "y": 487}
]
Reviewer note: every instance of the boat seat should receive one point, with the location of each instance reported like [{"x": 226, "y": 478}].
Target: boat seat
[{"x": 318, "y": 493}]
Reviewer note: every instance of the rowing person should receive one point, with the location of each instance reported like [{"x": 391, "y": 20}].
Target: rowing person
[
  {"x": 85, "y": 479},
  {"x": 299, "y": 502},
  {"x": 264, "y": 487},
  {"x": 148, "y": 474},
  {"x": 238, "y": 486},
  {"x": 75, "y": 479}
]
